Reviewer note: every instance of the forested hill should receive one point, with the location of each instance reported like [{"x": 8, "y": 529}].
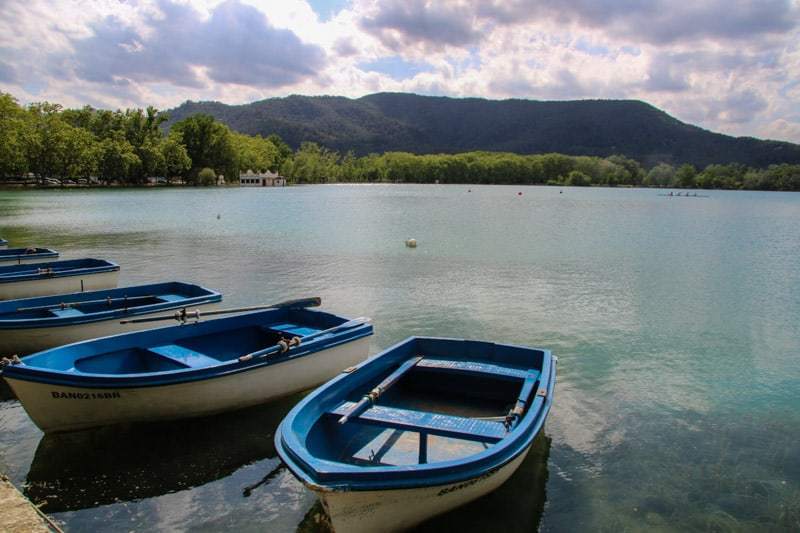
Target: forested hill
[{"x": 424, "y": 124}]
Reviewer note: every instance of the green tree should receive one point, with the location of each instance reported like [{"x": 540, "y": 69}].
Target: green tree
[
  {"x": 117, "y": 160},
  {"x": 633, "y": 171},
  {"x": 576, "y": 178},
  {"x": 661, "y": 175},
  {"x": 255, "y": 153},
  {"x": 80, "y": 157},
  {"x": 685, "y": 176},
  {"x": 15, "y": 135},
  {"x": 284, "y": 150},
  {"x": 209, "y": 145},
  {"x": 206, "y": 177},
  {"x": 312, "y": 163},
  {"x": 176, "y": 159}
]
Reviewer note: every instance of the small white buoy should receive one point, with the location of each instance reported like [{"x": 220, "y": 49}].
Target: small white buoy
[{"x": 411, "y": 243}]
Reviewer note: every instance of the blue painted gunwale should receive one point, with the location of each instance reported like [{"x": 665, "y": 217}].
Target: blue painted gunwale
[
  {"x": 328, "y": 475},
  {"x": 18, "y": 254},
  {"x": 60, "y": 269},
  {"x": 201, "y": 296},
  {"x": 38, "y": 367}
]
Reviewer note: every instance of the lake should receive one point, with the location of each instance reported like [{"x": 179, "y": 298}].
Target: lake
[{"x": 676, "y": 322}]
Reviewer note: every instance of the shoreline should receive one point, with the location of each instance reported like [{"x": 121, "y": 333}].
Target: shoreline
[{"x": 5, "y": 187}]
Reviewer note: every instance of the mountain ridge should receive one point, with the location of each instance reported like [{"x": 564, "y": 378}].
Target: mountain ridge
[{"x": 385, "y": 122}]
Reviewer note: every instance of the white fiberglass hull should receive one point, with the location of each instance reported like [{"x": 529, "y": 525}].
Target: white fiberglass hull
[
  {"x": 59, "y": 408},
  {"x": 58, "y": 285},
  {"x": 399, "y": 509},
  {"x": 27, "y": 260},
  {"x": 26, "y": 341}
]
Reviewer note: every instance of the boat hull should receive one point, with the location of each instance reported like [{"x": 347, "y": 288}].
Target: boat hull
[
  {"x": 58, "y": 285},
  {"x": 24, "y": 341},
  {"x": 400, "y": 509},
  {"x": 56, "y": 408},
  {"x": 21, "y": 259}
]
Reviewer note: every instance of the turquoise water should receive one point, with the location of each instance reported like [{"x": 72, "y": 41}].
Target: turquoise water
[{"x": 676, "y": 322}]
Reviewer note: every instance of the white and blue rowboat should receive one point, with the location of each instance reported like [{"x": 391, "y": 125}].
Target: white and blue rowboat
[
  {"x": 3, "y": 244},
  {"x": 189, "y": 370},
  {"x": 423, "y": 427},
  {"x": 34, "y": 324},
  {"x": 59, "y": 277},
  {"x": 18, "y": 256}
]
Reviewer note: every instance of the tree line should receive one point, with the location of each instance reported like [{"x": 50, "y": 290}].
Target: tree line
[
  {"x": 315, "y": 164},
  {"x": 129, "y": 146}
]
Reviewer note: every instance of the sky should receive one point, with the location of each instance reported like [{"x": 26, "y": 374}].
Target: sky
[{"x": 731, "y": 66}]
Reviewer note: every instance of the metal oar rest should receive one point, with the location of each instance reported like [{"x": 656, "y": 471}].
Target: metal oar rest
[
  {"x": 457, "y": 427},
  {"x": 525, "y": 399}
]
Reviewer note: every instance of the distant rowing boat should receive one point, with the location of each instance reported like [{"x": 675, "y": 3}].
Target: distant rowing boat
[
  {"x": 12, "y": 256},
  {"x": 670, "y": 195},
  {"x": 3, "y": 243},
  {"x": 60, "y": 277},
  {"x": 33, "y": 324}
]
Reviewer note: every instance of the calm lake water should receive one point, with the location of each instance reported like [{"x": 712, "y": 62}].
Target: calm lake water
[{"x": 676, "y": 322}]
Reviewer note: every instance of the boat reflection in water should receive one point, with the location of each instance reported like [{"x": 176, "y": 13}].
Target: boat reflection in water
[
  {"x": 517, "y": 504},
  {"x": 87, "y": 469}
]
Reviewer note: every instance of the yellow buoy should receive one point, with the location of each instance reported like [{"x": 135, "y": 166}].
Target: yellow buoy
[{"x": 411, "y": 243}]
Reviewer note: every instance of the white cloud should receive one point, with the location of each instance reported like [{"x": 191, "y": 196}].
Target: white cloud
[{"x": 726, "y": 67}]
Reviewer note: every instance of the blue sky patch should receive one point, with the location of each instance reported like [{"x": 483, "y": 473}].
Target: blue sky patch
[
  {"x": 327, "y": 9},
  {"x": 590, "y": 48},
  {"x": 395, "y": 67}
]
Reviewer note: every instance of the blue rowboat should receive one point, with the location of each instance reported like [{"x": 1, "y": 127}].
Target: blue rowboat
[
  {"x": 34, "y": 324},
  {"x": 194, "y": 369},
  {"x": 18, "y": 256},
  {"x": 425, "y": 426},
  {"x": 59, "y": 277},
  {"x": 3, "y": 243}
]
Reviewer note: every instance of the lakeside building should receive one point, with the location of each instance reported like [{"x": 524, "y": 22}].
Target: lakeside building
[{"x": 261, "y": 179}]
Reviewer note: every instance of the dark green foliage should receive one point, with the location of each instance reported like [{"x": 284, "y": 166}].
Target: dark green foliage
[
  {"x": 577, "y": 178},
  {"x": 206, "y": 177},
  {"x": 129, "y": 146},
  {"x": 391, "y": 122},
  {"x": 208, "y": 144}
]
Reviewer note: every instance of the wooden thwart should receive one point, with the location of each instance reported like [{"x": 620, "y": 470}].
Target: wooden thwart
[{"x": 458, "y": 427}]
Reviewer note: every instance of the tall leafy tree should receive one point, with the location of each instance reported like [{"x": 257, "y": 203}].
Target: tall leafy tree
[
  {"x": 117, "y": 159},
  {"x": 209, "y": 145},
  {"x": 176, "y": 159},
  {"x": 15, "y": 136}
]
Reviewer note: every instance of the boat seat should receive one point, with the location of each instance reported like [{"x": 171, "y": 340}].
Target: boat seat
[
  {"x": 293, "y": 329},
  {"x": 475, "y": 367},
  {"x": 184, "y": 356},
  {"x": 68, "y": 312},
  {"x": 458, "y": 427},
  {"x": 171, "y": 297}
]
